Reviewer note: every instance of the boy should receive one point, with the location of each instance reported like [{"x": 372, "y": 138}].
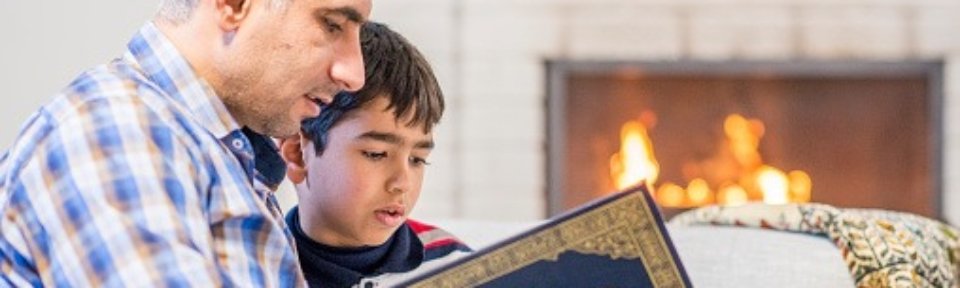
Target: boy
[{"x": 358, "y": 167}]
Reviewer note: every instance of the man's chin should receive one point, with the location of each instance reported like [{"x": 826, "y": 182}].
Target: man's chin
[{"x": 278, "y": 130}]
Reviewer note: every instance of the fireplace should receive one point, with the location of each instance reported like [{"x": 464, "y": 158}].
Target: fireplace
[{"x": 852, "y": 134}]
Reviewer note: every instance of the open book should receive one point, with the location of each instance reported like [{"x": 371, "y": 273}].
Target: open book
[{"x": 616, "y": 241}]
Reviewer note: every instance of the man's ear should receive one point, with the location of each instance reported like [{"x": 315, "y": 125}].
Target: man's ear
[
  {"x": 232, "y": 13},
  {"x": 292, "y": 154}
]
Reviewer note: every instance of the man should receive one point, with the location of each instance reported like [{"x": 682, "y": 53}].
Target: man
[{"x": 140, "y": 173}]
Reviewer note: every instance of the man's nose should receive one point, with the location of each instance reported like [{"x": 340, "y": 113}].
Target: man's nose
[{"x": 347, "y": 68}]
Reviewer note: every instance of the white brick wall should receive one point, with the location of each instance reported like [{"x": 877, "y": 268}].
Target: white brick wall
[
  {"x": 507, "y": 27},
  {"x": 726, "y": 31},
  {"x": 489, "y": 55},
  {"x": 951, "y": 145},
  {"x": 853, "y": 32},
  {"x": 935, "y": 27},
  {"x": 621, "y": 31}
]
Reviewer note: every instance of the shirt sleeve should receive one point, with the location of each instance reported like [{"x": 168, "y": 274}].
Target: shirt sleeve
[{"x": 111, "y": 196}]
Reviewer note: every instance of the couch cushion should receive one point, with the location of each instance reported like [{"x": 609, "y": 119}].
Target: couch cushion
[{"x": 747, "y": 257}]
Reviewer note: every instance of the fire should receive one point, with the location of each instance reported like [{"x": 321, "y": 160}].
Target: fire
[
  {"x": 748, "y": 178},
  {"x": 773, "y": 183},
  {"x": 733, "y": 195},
  {"x": 635, "y": 161}
]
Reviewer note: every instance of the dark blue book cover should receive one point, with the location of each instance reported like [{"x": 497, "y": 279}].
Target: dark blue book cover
[{"x": 616, "y": 241}]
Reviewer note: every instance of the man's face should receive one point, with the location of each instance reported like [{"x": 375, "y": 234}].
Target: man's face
[
  {"x": 282, "y": 60},
  {"x": 367, "y": 180}
]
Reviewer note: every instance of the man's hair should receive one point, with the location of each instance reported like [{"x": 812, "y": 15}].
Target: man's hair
[
  {"x": 179, "y": 11},
  {"x": 394, "y": 69}
]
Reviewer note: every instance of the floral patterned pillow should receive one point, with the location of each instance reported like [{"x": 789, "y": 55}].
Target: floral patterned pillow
[{"x": 881, "y": 248}]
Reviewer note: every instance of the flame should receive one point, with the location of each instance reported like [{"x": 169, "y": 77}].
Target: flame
[
  {"x": 800, "y": 185},
  {"x": 670, "y": 194},
  {"x": 732, "y": 195},
  {"x": 773, "y": 183},
  {"x": 635, "y": 161},
  {"x": 698, "y": 191},
  {"x": 744, "y": 138}
]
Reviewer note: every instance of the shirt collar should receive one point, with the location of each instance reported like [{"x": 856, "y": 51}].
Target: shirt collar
[
  {"x": 270, "y": 167},
  {"x": 163, "y": 64},
  {"x": 403, "y": 252}
]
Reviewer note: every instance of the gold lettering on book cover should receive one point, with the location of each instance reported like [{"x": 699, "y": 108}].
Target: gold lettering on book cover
[
  {"x": 615, "y": 230},
  {"x": 617, "y": 244}
]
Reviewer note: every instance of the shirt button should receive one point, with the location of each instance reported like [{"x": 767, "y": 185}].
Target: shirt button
[{"x": 237, "y": 143}]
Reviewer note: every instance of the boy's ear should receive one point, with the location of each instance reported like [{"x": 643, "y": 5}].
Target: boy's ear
[
  {"x": 292, "y": 154},
  {"x": 232, "y": 13}
]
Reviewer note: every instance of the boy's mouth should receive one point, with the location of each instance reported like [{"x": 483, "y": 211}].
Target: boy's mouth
[{"x": 391, "y": 216}]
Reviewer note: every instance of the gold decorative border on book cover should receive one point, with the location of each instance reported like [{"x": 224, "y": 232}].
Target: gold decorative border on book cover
[{"x": 622, "y": 229}]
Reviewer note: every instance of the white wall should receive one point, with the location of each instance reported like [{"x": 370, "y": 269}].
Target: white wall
[
  {"x": 490, "y": 54},
  {"x": 46, "y": 43},
  {"x": 489, "y": 163}
]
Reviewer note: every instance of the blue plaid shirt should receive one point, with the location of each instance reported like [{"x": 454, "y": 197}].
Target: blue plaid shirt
[{"x": 137, "y": 175}]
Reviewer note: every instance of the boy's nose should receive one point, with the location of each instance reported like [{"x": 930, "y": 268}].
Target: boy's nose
[{"x": 400, "y": 182}]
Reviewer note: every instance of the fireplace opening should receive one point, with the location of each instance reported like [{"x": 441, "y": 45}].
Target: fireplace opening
[{"x": 854, "y": 134}]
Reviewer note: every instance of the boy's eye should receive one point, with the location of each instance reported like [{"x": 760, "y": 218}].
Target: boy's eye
[
  {"x": 417, "y": 161},
  {"x": 374, "y": 155}
]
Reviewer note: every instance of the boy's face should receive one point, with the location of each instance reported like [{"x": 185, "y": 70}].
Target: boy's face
[{"x": 367, "y": 180}]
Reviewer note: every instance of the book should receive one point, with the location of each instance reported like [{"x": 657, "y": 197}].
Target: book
[{"x": 616, "y": 241}]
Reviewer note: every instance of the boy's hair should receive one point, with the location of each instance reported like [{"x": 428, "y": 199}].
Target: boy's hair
[{"x": 394, "y": 69}]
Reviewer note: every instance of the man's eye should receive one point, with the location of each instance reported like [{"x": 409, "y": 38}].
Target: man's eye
[
  {"x": 417, "y": 161},
  {"x": 331, "y": 25},
  {"x": 374, "y": 155}
]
